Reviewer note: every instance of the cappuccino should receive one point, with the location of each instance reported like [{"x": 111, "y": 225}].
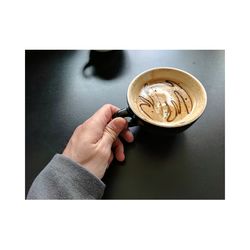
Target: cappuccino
[{"x": 164, "y": 101}]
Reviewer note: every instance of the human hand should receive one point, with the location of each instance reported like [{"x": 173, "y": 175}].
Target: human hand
[{"x": 94, "y": 143}]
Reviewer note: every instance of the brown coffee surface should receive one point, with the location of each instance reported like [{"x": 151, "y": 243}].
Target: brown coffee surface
[{"x": 164, "y": 101}]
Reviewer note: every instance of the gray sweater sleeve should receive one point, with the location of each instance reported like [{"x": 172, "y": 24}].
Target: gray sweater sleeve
[{"x": 63, "y": 178}]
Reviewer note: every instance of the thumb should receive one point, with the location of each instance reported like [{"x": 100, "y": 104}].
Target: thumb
[{"x": 112, "y": 130}]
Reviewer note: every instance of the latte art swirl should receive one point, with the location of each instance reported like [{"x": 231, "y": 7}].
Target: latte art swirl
[{"x": 164, "y": 101}]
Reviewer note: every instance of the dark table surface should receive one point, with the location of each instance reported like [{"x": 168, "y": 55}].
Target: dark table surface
[{"x": 60, "y": 96}]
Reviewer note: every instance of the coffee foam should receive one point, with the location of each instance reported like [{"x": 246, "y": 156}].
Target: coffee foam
[{"x": 164, "y": 101}]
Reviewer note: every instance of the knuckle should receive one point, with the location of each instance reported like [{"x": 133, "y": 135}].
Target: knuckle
[
  {"x": 86, "y": 122},
  {"x": 107, "y": 105},
  {"x": 78, "y": 128},
  {"x": 82, "y": 126}
]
